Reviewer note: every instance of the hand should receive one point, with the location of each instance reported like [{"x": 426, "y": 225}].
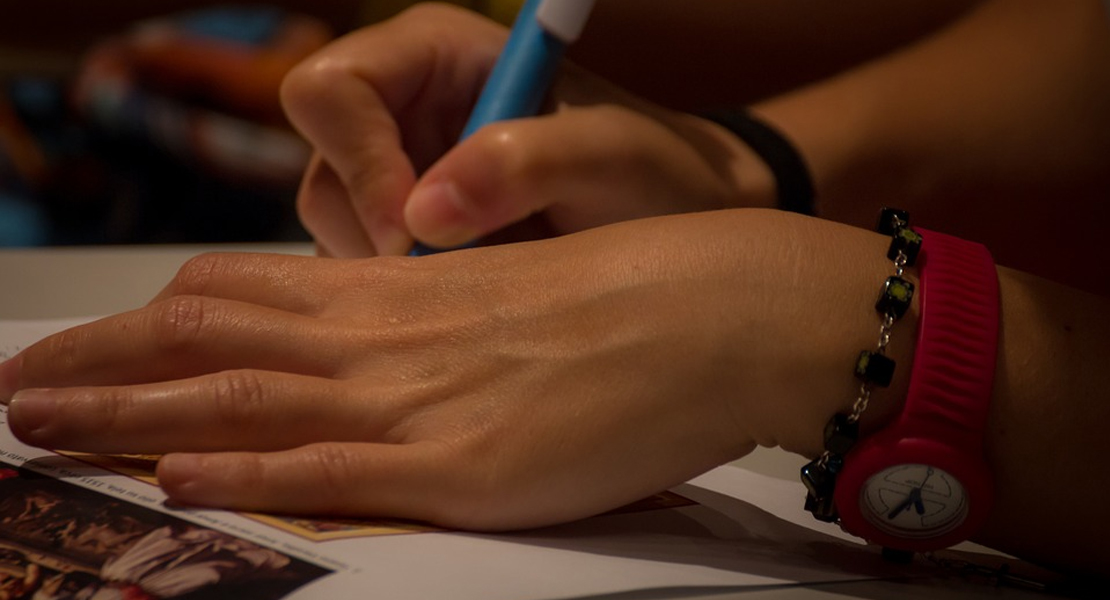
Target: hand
[
  {"x": 492, "y": 388},
  {"x": 384, "y": 106}
]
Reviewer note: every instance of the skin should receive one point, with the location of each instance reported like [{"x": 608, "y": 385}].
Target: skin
[
  {"x": 975, "y": 129},
  {"x": 362, "y": 194},
  {"x": 695, "y": 56},
  {"x": 528, "y": 375},
  {"x": 479, "y": 406},
  {"x": 993, "y": 129}
]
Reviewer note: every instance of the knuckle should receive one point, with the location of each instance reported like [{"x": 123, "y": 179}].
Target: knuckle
[
  {"x": 112, "y": 411},
  {"x": 196, "y": 275},
  {"x": 316, "y": 199},
  {"x": 309, "y": 201},
  {"x": 294, "y": 88},
  {"x": 609, "y": 116},
  {"x": 615, "y": 128},
  {"x": 301, "y": 87},
  {"x": 337, "y": 473},
  {"x": 506, "y": 143},
  {"x": 181, "y": 322},
  {"x": 516, "y": 154},
  {"x": 239, "y": 399},
  {"x": 63, "y": 350},
  {"x": 250, "y": 472}
]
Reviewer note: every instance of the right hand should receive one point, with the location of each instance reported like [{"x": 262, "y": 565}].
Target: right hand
[{"x": 384, "y": 106}]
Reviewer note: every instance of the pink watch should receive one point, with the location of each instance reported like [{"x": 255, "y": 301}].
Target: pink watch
[{"x": 922, "y": 483}]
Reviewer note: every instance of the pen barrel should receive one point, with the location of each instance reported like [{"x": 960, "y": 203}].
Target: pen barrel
[
  {"x": 518, "y": 83},
  {"x": 520, "y": 79}
]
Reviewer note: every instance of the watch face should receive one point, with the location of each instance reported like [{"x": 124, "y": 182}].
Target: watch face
[{"x": 914, "y": 501}]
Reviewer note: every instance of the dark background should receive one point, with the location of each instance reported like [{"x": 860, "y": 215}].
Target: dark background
[{"x": 103, "y": 187}]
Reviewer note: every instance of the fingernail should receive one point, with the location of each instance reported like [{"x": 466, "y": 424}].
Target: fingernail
[
  {"x": 440, "y": 213},
  {"x": 178, "y": 475},
  {"x": 390, "y": 238},
  {"x": 9, "y": 378},
  {"x": 30, "y": 411}
]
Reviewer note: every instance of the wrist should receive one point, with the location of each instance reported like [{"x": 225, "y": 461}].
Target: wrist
[
  {"x": 792, "y": 183},
  {"x": 834, "y": 388},
  {"x": 931, "y": 458},
  {"x": 751, "y": 178},
  {"x": 832, "y": 129},
  {"x": 755, "y": 183},
  {"x": 814, "y": 291}
]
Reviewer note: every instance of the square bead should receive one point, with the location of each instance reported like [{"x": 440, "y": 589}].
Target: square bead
[
  {"x": 840, "y": 435},
  {"x": 823, "y": 509},
  {"x": 818, "y": 479},
  {"x": 906, "y": 241},
  {"x": 896, "y": 297},
  {"x": 892, "y": 219},
  {"x": 875, "y": 368}
]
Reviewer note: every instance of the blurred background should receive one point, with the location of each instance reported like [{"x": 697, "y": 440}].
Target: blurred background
[{"x": 127, "y": 122}]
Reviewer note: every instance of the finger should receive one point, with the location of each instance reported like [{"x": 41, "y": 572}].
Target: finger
[
  {"x": 10, "y": 370},
  {"x": 178, "y": 338},
  {"x": 363, "y": 151},
  {"x": 376, "y": 289},
  {"x": 231, "y": 410},
  {"x": 326, "y": 212},
  {"x": 380, "y": 103},
  {"x": 401, "y": 481},
  {"x": 303, "y": 285},
  {"x": 584, "y": 166}
]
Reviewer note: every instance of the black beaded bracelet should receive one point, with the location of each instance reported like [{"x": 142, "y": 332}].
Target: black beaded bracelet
[
  {"x": 793, "y": 183},
  {"x": 872, "y": 368}
]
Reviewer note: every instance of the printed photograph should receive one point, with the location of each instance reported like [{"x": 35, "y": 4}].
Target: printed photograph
[{"x": 59, "y": 541}]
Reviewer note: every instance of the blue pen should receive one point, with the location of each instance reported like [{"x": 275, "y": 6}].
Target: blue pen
[{"x": 519, "y": 81}]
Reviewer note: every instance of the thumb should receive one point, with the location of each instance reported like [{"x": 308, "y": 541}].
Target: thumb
[
  {"x": 581, "y": 167},
  {"x": 494, "y": 178}
]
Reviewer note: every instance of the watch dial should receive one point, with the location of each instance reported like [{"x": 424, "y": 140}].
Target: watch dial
[{"x": 914, "y": 501}]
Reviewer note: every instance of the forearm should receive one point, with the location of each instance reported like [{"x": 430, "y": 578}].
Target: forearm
[
  {"x": 531, "y": 372},
  {"x": 980, "y": 131},
  {"x": 1047, "y": 426},
  {"x": 712, "y": 53}
]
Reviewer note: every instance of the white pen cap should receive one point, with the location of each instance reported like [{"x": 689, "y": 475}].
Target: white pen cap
[{"x": 564, "y": 19}]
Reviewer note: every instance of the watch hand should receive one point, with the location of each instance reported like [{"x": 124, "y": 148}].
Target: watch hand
[
  {"x": 917, "y": 503},
  {"x": 928, "y": 474},
  {"x": 912, "y": 499}
]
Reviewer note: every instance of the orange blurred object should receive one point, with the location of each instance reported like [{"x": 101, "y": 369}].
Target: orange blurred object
[
  {"x": 205, "y": 86},
  {"x": 228, "y": 75}
]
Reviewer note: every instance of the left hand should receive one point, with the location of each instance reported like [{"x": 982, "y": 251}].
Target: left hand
[
  {"x": 494, "y": 388},
  {"x": 500, "y": 387}
]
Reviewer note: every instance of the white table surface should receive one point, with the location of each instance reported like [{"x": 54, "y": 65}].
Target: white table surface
[{"x": 88, "y": 281}]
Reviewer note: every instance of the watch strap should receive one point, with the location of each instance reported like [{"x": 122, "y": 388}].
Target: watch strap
[
  {"x": 957, "y": 340},
  {"x": 944, "y": 419}
]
